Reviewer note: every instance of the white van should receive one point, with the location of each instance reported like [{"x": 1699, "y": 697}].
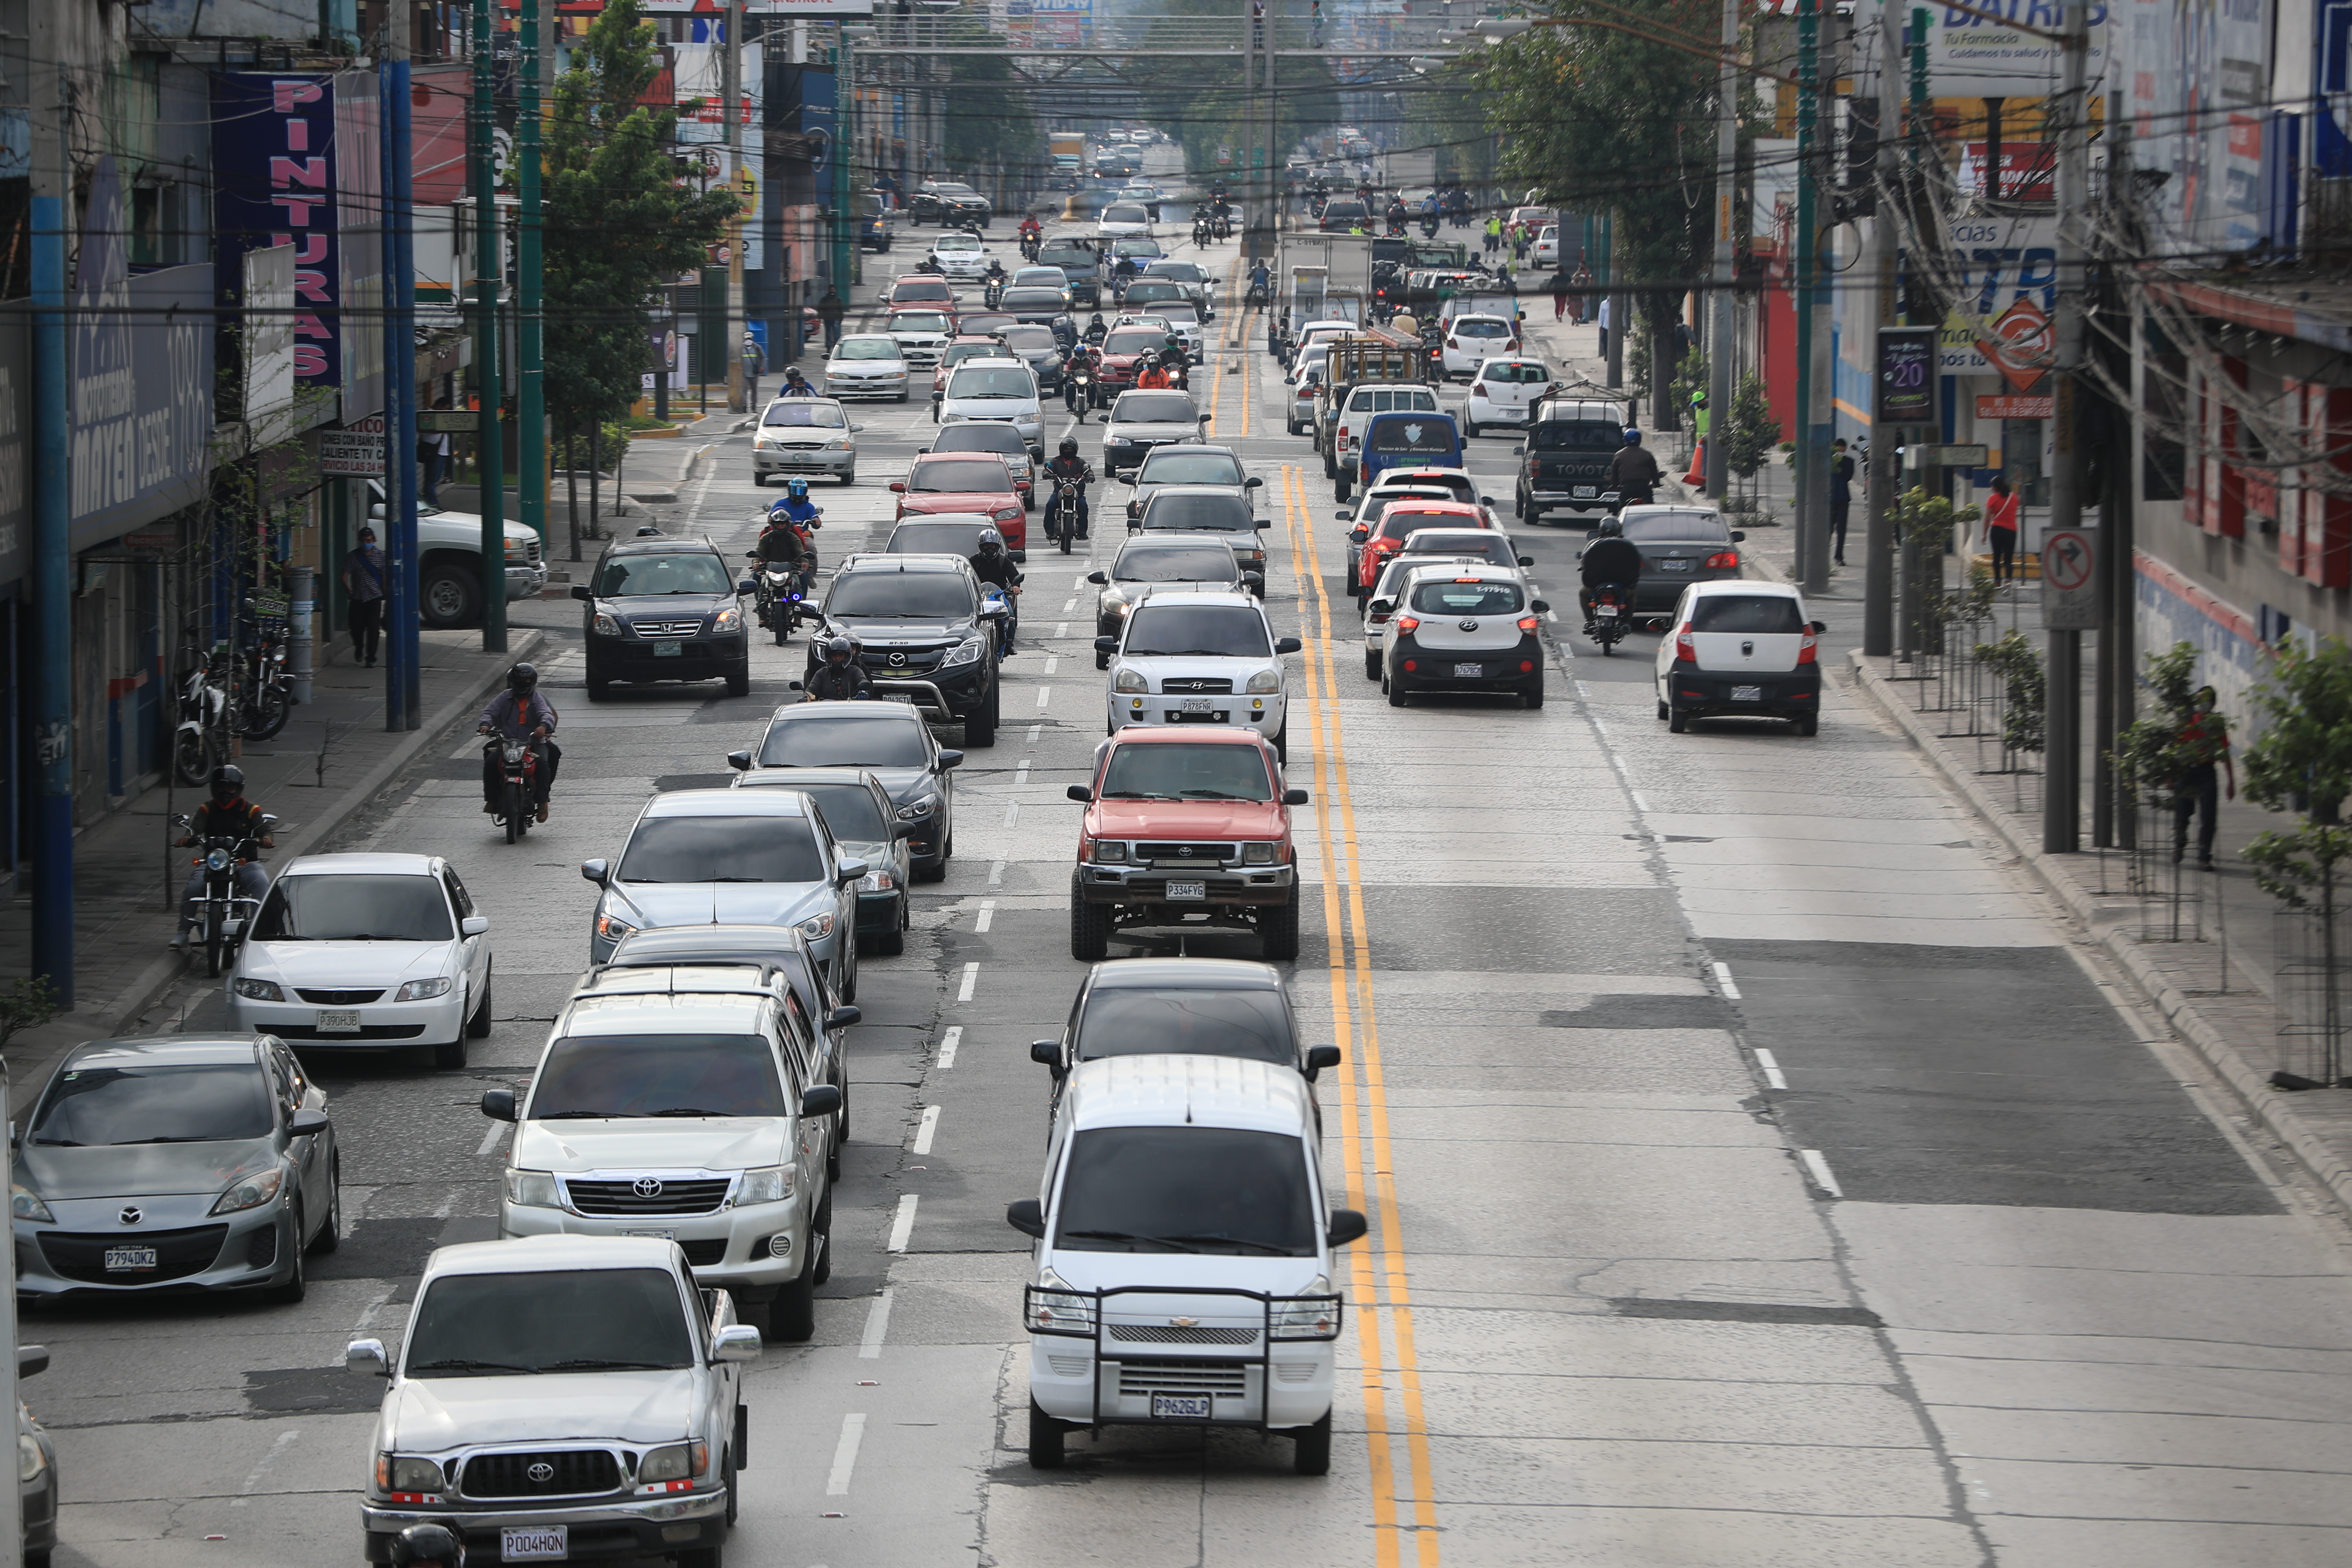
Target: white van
[{"x": 1184, "y": 1273}]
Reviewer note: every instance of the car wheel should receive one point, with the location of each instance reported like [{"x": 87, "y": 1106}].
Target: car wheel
[
  {"x": 298, "y": 1284},
  {"x": 1470, "y": 429},
  {"x": 848, "y": 478},
  {"x": 599, "y": 688},
  {"x": 1331, "y": 466},
  {"x": 1089, "y": 929},
  {"x": 1810, "y": 725},
  {"x": 1395, "y": 690},
  {"x": 1341, "y": 489},
  {"x": 1372, "y": 664},
  {"x": 892, "y": 943},
  {"x": 1282, "y": 742},
  {"x": 822, "y": 1225},
  {"x": 1663, "y": 712},
  {"x": 980, "y": 729},
  {"x": 453, "y": 1055},
  {"x": 1533, "y": 696},
  {"x": 791, "y": 1313},
  {"x": 477, "y": 1028},
  {"x": 739, "y": 681},
  {"x": 1677, "y": 721},
  {"x": 1045, "y": 1435},
  {"x": 759, "y": 480},
  {"x": 450, "y": 598},
  {"x": 330, "y": 1234},
  {"x": 1312, "y": 1456},
  {"x": 1278, "y": 930}
]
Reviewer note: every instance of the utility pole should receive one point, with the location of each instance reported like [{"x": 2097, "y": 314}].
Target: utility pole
[
  {"x": 840, "y": 157},
  {"x": 489, "y": 274},
  {"x": 1808, "y": 518},
  {"x": 2118, "y": 636},
  {"x": 2063, "y": 762},
  {"x": 1613, "y": 272},
  {"x": 530, "y": 368},
  {"x": 402, "y": 701},
  {"x": 1727, "y": 187},
  {"x": 731, "y": 90},
  {"x": 1817, "y": 410},
  {"x": 1879, "y": 522},
  {"x": 52, "y": 584}
]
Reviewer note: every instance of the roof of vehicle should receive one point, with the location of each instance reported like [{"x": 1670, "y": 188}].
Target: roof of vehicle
[
  {"x": 660, "y": 1013},
  {"x": 165, "y": 1050},
  {"x": 1188, "y": 1091},
  {"x": 664, "y": 980},
  {"x": 805, "y": 778},
  {"x": 1210, "y": 594},
  {"x": 1481, "y": 316},
  {"x": 1191, "y": 449},
  {"x": 867, "y": 561},
  {"x": 659, "y": 544},
  {"x": 1185, "y": 974},
  {"x": 547, "y": 1253},
  {"x": 730, "y": 802},
  {"x": 821, "y": 713},
  {"x": 1577, "y": 410},
  {"x": 1177, "y": 735},
  {"x": 1746, "y": 586},
  {"x": 686, "y": 944},
  {"x": 361, "y": 865},
  {"x": 1405, "y": 474}
]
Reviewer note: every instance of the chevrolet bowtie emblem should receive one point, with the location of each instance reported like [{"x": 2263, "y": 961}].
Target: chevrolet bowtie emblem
[{"x": 1183, "y": 1322}]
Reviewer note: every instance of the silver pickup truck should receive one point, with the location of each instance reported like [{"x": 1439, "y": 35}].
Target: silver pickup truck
[
  {"x": 560, "y": 1398},
  {"x": 449, "y": 562}
]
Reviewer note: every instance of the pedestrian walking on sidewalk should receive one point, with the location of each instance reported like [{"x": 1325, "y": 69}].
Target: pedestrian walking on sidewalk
[
  {"x": 2204, "y": 745},
  {"x": 433, "y": 458},
  {"x": 1493, "y": 235},
  {"x": 2000, "y": 530},
  {"x": 364, "y": 586},
  {"x": 830, "y": 309},
  {"x": 1560, "y": 296},
  {"x": 1604, "y": 326},
  {"x": 1841, "y": 497}
]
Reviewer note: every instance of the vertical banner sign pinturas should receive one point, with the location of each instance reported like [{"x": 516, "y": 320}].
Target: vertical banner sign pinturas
[{"x": 1906, "y": 376}]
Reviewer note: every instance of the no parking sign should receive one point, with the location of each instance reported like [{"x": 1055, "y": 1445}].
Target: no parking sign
[{"x": 2070, "y": 594}]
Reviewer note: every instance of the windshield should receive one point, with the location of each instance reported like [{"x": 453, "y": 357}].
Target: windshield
[
  {"x": 1746, "y": 613},
  {"x": 958, "y": 352},
  {"x": 86, "y": 1107},
  {"x": 1154, "y": 408},
  {"x": 1177, "y": 466},
  {"x": 854, "y": 741},
  {"x": 993, "y": 383},
  {"x": 1186, "y": 1189},
  {"x": 1140, "y": 249},
  {"x": 571, "y": 1320},
  {"x": 1197, "y": 514},
  {"x": 1399, "y": 522},
  {"x": 804, "y": 413},
  {"x": 1033, "y": 300},
  {"x": 987, "y": 323},
  {"x": 347, "y": 908},
  {"x": 1041, "y": 278},
  {"x": 1689, "y": 527},
  {"x": 1125, "y": 213},
  {"x": 866, "y": 348},
  {"x": 1030, "y": 338},
  {"x": 849, "y": 810},
  {"x": 627, "y": 576},
  {"x": 1181, "y": 271},
  {"x": 1415, "y": 436},
  {"x": 1519, "y": 373},
  {"x": 921, "y": 288},
  {"x": 955, "y": 242},
  {"x": 983, "y": 435},
  {"x": 1145, "y": 292},
  {"x": 1481, "y": 598},
  {"x": 611, "y": 1077},
  {"x": 1120, "y": 1022},
  {"x": 722, "y": 849},
  {"x": 937, "y": 539},
  {"x": 1200, "y": 631},
  {"x": 1134, "y": 341},
  {"x": 918, "y": 321},
  {"x": 903, "y": 596},
  {"x": 958, "y": 475},
  {"x": 1208, "y": 564},
  {"x": 1576, "y": 436},
  {"x": 1069, "y": 257}
]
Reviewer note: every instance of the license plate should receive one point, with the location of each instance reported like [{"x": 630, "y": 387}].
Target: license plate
[
  {"x": 1673, "y": 565},
  {"x": 1197, "y": 705},
  {"x": 1586, "y": 492},
  {"x": 671, "y": 648},
  {"x": 535, "y": 1544},
  {"x": 654, "y": 1235},
  {"x": 1188, "y": 891},
  {"x": 1606, "y": 612},
  {"x": 126, "y": 1259},
  {"x": 1181, "y": 1407},
  {"x": 1748, "y": 694},
  {"x": 338, "y": 1023},
  {"x": 1468, "y": 672}
]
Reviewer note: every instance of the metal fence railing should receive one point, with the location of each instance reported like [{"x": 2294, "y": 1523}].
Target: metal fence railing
[{"x": 2312, "y": 971}]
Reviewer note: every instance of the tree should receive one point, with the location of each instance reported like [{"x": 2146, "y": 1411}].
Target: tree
[
  {"x": 1199, "y": 101},
  {"x": 2302, "y": 762},
  {"x": 1751, "y": 432},
  {"x": 991, "y": 124}
]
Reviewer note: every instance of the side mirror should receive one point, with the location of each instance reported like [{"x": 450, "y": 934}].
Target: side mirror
[
  {"x": 842, "y": 1016},
  {"x": 854, "y": 429},
  {"x": 32, "y": 1360},
  {"x": 1346, "y": 1226},
  {"x": 791, "y": 685},
  {"x": 1518, "y": 451},
  {"x": 739, "y": 761},
  {"x": 1738, "y": 536},
  {"x": 1321, "y": 1057},
  {"x": 1286, "y": 644},
  {"x": 1346, "y": 514},
  {"x": 366, "y": 1358},
  {"x": 1820, "y": 627},
  {"x": 1541, "y": 607},
  {"x": 1380, "y": 607},
  {"x": 268, "y": 822},
  {"x": 1295, "y": 797},
  {"x": 306, "y": 1123},
  {"x": 1359, "y": 532},
  {"x": 1027, "y": 1216},
  {"x": 596, "y": 871},
  {"x": 375, "y": 512},
  {"x": 1097, "y": 578},
  {"x": 1082, "y": 794},
  {"x": 1252, "y": 482},
  {"x": 736, "y": 1343},
  {"x": 499, "y": 1104},
  {"x": 1047, "y": 1054},
  {"x": 579, "y": 590},
  {"x": 897, "y": 487},
  {"x": 820, "y": 1099},
  {"x": 950, "y": 757},
  {"x": 1486, "y": 501},
  {"x": 473, "y": 925},
  {"x": 1261, "y": 522},
  {"x": 745, "y": 585},
  {"x": 1106, "y": 645},
  {"x": 902, "y": 830},
  {"x": 1527, "y": 560},
  {"x": 1254, "y": 579},
  {"x": 850, "y": 871}
]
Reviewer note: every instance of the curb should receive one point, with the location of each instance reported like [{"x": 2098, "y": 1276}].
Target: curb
[{"x": 2268, "y": 1106}]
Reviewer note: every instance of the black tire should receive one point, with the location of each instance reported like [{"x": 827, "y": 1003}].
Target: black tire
[
  {"x": 893, "y": 943},
  {"x": 191, "y": 758},
  {"x": 516, "y": 808},
  {"x": 1677, "y": 721},
  {"x": 598, "y": 690},
  {"x": 1372, "y": 664},
  {"x": 731, "y": 1468},
  {"x": 452, "y": 1056},
  {"x": 980, "y": 729},
  {"x": 450, "y": 596},
  {"x": 1533, "y": 696},
  {"x": 849, "y": 479},
  {"x": 1469, "y": 430},
  {"x": 1341, "y": 488},
  {"x": 1395, "y": 688},
  {"x": 1045, "y": 1439},
  {"x": 1312, "y": 1457},
  {"x": 1330, "y": 465},
  {"x": 700, "y": 1557},
  {"x": 792, "y": 1315},
  {"x": 823, "y": 1225},
  {"x": 214, "y": 940},
  {"x": 1089, "y": 930},
  {"x": 268, "y": 713},
  {"x": 330, "y": 1233},
  {"x": 1282, "y": 742},
  {"x": 1278, "y": 930},
  {"x": 782, "y": 622},
  {"x": 478, "y": 1025},
  {"x": 298, "y": 1284},
  {"x": 1810, "y": 725},
  {"x": 846, "y": 986},
  {"x": 1663, "y": 712},
  {"x": 738, "y": 680}
]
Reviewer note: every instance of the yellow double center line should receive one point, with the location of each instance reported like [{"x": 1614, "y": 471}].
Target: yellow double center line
[
  {"x": 1381, "y": 1298},
  {"x": 1214, "y": 367}
]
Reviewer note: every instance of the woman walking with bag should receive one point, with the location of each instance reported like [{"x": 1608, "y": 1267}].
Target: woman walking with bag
[{"x": 2001, "y": 531}]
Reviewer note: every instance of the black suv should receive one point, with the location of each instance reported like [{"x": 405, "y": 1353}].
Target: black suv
[
  {"x": 1078, "y": 264},
  {"x": 922, "y": 632},
  {"x": 948, "y": 202},
  {"x": 1564, "y": 462},
  {"x": 889, "y": 741},
  {"x": 663, "y": 608}
]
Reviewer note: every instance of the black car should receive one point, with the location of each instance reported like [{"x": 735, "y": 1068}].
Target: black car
[
  {"x": 1342, "y": 214},
  {"x": 1182, "y": 1006},
  {"x": 1042, "y": 349},
  {"x": 888, "y": 739},
  {"x": 1037, "y": 307},
  {"x": 954, "y": 535},
  {"x": 1564, "y": 462},
  {"x": 663, "y": 608},
  {"x": 1079, "y": 265},
  {"x": 948, "y": 202},
  {"x": 923, "y": 634}
]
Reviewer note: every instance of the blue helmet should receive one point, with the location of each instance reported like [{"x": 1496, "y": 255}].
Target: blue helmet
[
  {"x": 1632, "y": 437},
  {"x": 797, "y": 488}
]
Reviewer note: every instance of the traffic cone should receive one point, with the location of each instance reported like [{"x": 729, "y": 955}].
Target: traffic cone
[{"x": 1697, "y": 475}]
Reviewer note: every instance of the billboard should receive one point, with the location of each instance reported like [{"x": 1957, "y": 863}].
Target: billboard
[{"x": 1972, "y": 56}]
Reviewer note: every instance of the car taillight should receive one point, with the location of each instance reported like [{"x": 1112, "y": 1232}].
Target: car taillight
[
  {"x": 1408, "y": 623},
  {"x": 1343, "y": 435},
  {"x": 1805, "y": 648},
  {"x": 1377, "y": 616},
  {"x": 1685, "y": 647},
  {"x": 1451, "y": 343},
  {"x": 1527, "y": 623},
  {"x": 1722, "y": 561}
]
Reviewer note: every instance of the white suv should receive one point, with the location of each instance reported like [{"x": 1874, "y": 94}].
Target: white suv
[
  {"x": 1184, "y": 1259},
  {"x": 1199, "y": 658},
  {"x": 1001, "y": 390}
]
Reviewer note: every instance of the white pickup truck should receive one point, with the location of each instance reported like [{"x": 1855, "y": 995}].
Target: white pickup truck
[
  {"x": 560, "y": 1398},
  {"x": 449, "y": 562}
]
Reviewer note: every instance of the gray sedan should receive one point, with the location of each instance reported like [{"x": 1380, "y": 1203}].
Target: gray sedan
[
  {"x": 1680, "y": 545},
  {"x": 175, "y": 1162}
]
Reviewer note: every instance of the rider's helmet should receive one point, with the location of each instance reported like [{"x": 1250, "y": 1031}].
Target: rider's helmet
[
  {"x": 1096, "y": 320},
  {"x": 522, "y": 680},
  {"x": 428, "y": 1542},
  {"x": 1611, "y": 528},
  {"x": 1069, "y": 448},
  {"x": 1633, "y": 436},
  {"x": 228, "y": 783},
  {"x": 991, "y": 542},
  {"x": 837, "y": 650},
  {"x": 792, "y": 373},
  {"x": 796, "y": 488}
]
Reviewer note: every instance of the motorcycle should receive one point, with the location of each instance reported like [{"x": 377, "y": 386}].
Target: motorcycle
[
  {"x": 1030, "y": 245},
  {"x": 1202, "y": 230},
  {"x": 777, "y": 594},
  {"x": 1429, "y": 227},
  {"x": 1612, "y": 618},
  {"x": 517, "y": 765},
  {"x": 1078, "y": 390},
  {"x": 1062, "y": 514},
  {"x": 269, "y": 702},
  {"x": 994, "y": 598},
  {"x": 227, "y": 913},
  {"x": 1221, "y": 222},
  {"x": 203, "y": 712},
  {"x": 1255, "y": 298}
]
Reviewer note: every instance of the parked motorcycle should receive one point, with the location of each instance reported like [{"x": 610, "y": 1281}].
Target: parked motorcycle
[
  {"x": 518, "y": 764},
  {"x": 268, "y": 701},
  {"x": 198, "y": 735},
  {"x": 227, "y": 913}
]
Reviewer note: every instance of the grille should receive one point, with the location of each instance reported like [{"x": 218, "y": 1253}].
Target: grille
[
  {"x": 667, "y": 628},
  {"x": 81, "y": 1254},
  {"x": 1201, "y": 852},
  {"x": 1189, "y": 686},
  {"x": 1170, "y": 1334},
  {"x": 261, "y": 1247},
  {"x": 705, "y": 1253},
  {"x": 1068, "y": 1365},
  {"x": 621, "y": 1199},
  {"x": 908, "y": 659},
  {"x": 337, "y": 998},
  {"x": 570, "y": 1473},
  {"x": 1293, "y": 1371},
  {"x": 364, "y": 1032},
  {"x": 1142, "y": 1379}
]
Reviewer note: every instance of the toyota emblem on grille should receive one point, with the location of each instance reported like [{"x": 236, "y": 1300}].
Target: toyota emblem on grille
[
  {"x": 540, "y": 1473},
  {"x": 1186, "y": 850},
  {"x": 897, "y": 661},
  {"x": 134, "y": 1214},
  {"x": 1466, "y": 626},
  {"x": 646, "y": 1186}
]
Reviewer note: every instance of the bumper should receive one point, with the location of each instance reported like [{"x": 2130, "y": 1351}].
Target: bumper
[
  {"x": 697, "y": 658},
  {"x": 824, "y": 949},
  {"x": 525, "y": 582},
  {"x": 1492, "y": 415},
  {"x": 195, "y": 1252},
  {"x": 1418, "y": 669},
  {"x": 1224, "y": 886},
  {"x": 1600, "y": 500},
  {"x": 649, "y": 1527},
  {"x": 877, "y": 912},
  {"x": 1264, "y": 714},
  {"x": 1790, "y": 696},
  {"x": 734, "y": 1249},
  {"x": 866, "y": 387},
  {"x": 804, "y": 461},
  {"x": 437, "y": 1021},
  {"x": 1063, "y": 1379}
]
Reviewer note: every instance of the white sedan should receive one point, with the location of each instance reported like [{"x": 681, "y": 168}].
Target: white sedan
[
  {"x": 1123, "y": 220},
  {"x": 958, "y": 253},
  {"x": 870, "y": 364},
  {"x": 375, "y": 952}
]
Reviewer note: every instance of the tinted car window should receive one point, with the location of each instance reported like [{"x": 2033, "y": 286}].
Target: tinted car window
[
  {"x": 1576, "y": 436},
  {"x": 722, "y": 849},
  {"x": 176, "y": 1103},
  {"x": 1399, "y": 522},
  {"x": 921, "y": 288},
  {"x": 1124, "y": 212},
  {"x": 344, "y": 908},
  {"x": 1696, "y": 526},
  {"x": 866, "y": 348},
  {"x": 1476, "y": 327},
  {"x": 687, "y": 572},
  {"x": 1030, "y": 339},
  {"x": 1186, "y": 1189},
  {"x": 1217, "y": 631},
  {"x": 985, "y": 323},
  {"x": 1141, "y": 292},
  {"x": 1154, "y": 408},
  {"x": 1070, "y": 259},
  {"x": 936, "y": 539},
  {"x": 908, "y": 596},
  {"x": 489, "y": 1325},
  {"x": 1516, "y": 374},
  {"x": 1444, "y": 598},
  {"x": 1485, "y": 546},
  {"x": 1433, "y": 435},
  {"x": 1190, "y": 563},
  {"x": 590, "y": 1077},
  {"x": 1180, "y": 770},
  {"x": 936, "y": 476},
  {"x": 1123, "y": 1022},
  {"x": 1134, "y": 341},
  {"x": 1199, "y": 515},
  {"x": 982, "y": 437},
  {"x": 988, "y": 381},
  {"x": 1179, "y": 271},
  {"x": 1030, "y": 298},
  {"x": 1138, "y": 248},
  {"x": 849, "y": 810},
  {"x": 852, "y": 741},
  {"x": 1749, "y": 613},
  {"x": 1181, "y": 466}
]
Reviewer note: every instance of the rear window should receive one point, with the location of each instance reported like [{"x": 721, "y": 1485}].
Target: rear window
[
  {"x": 1466, "y": 599},
  {"x": 983, "y": 435},
  {"x": 933, "y": 476},
  {"x": 1197, "y": 514},
  {"x": 1190, "y": 1021},
  {"x": 1398, "y": 522},
  {"x": 1696, "y": 526},
  {"x": 1516, "y": 374},
  {"x": 1576, "y": 436},
  {"x": 1190, "y": 466},
  {"x": 1472, "y": 327},
  {"x": 1366, "y": 401},
  {"x": 1134, "y": 341},
  {"x": 1413, "y": 436},
  {"x": 1155, "y": 408},
  {"x": 1485, "y": 546},
  {"x": 1746, "y": 613}
]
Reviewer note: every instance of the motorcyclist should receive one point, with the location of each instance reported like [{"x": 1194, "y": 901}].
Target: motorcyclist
[
  {"x": 428, "y": 1545},
  {"x": 1633, "y": 471},
  {"x": 840, "y": 678},
  {"x": 520, "y": 713},
  {"x": 226, "y": 814},
  {"x": 992, "y": 282},
  {"x": 1076, "y": 398},
  {"x": 994, "y": 564},
  {"x": 1068, "y": 465},
  {"x": 1125, "y": 273},
  {"x": 786, "y": 537},
  {"x": 795, "y": 384},
  {"x": 1153, "y": 373},
  {"x": 1611, "y": 560},
  {"x": 1261, "y": 280},
  {"x": 1031, "y": 234},
  {"x": 1096, "y": 331}
]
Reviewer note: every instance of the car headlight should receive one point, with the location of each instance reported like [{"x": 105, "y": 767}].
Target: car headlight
[
  {"x": 816, "y": 928},
  {"x": 678, "y": 1462},
  {"x": 1055, "y": 1306},
  {"x": 726, "y": 620},
  {"x": 915, "y": 811},
  {"x": 533, "y": 1189},
  {"x": 761, "y": 442},
  {"x": 251, "y": 1192},
  {"x": 258, "y": 990},
  {"x": 767, "y": 1184},
  {"x": 965, "y": 652},
  {"x": 1005, "y": 513},
  {"x": 25, "y": 1203},
  {"x": 1107, "y": 850},
  {"x": 518, "y": 552},
  {"x": 423, "y": 990},
  {"x": 1129, "y": 681},
  {"x": 951, "y": 418},
  {"x": 878, "y": 882},
  {"x": 611, "y": 928},
  {"x": 406, "y": 1473},
  {"x": 30, "y": 1460},
  {"x": 1260, "y": 854},
  {"x": 1308, "y": 1320},
  {"x": 605, "y": 625},
  {"x": 1266, "y": 680},
  {"x": 838, "y": 444}
]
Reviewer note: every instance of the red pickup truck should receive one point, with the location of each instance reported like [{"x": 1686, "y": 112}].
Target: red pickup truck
[{"x": 1187, "y": 826}]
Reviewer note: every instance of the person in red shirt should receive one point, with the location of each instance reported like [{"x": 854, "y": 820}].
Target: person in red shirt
[
  {"x": 2205, "y": 744},
  {"x": 2000, "y": 530}
]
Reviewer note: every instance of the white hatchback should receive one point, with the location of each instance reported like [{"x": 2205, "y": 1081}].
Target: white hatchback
[
  {"x": 1208, "y": 657},
  {"x": 1123, "y": 220},
  {"x": 1547, "y": 251},
  {"x": 1501, "y": 391},
  {"x": 1471, "y": 340},
  {"x": 867, "y": 365},
  {"x": 1738, "y": 648}
]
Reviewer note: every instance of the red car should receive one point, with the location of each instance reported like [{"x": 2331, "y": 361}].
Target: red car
[
  {"x": 978, "y": 482},
  {"x": 1124, "y": 351},
  {"x": 1185, "y": 819},
  {"x": 1379, "y": 542},
  {"x": 922, "y": 288}
]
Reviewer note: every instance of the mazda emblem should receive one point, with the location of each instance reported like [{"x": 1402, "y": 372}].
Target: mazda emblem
[
  {"x": 898, "y": 660},
  {"x": 132, "y": 1213},
  {"x": 1466, "y": 626},
  {"x": 646, "y": 1186},
  {"x": 540, "y": 1473}
]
